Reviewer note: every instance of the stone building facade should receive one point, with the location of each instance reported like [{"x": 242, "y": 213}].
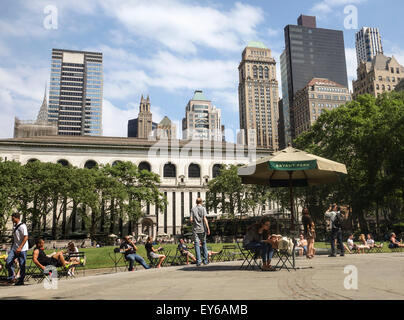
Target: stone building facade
[
  {"x": 380, "y": 75},
  {"x": 311, "y": 101},
  {"x": 185, "y": 167}
]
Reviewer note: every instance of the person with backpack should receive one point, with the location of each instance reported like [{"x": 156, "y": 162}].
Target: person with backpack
[
  {"x": 18, "y": 250},
  {"x": 337, "y": 221}
]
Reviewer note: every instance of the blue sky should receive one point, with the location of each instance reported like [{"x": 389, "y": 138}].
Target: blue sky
[{"x": 164, "y": 48}]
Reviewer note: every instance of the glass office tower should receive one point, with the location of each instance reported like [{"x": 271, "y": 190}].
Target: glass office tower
[
  {"x": 75, "y": 94},
  {"x": 312, "y": 52}
]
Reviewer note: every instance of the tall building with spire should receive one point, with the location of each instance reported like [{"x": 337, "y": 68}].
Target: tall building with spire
[
  {"x": 258, "y": 97},
  {"x": 142, "y": 127},
  {"x": 41, "y": 127}
]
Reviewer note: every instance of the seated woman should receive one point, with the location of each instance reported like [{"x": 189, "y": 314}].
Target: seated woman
[
  {"x": 363, "y": 244},
  {"x": 72, "y": 252},
  {"x": 258, "y": 240},
  {"x": 184, "y": 250},
  {"x": 42, "y": 260},
  {"x": 394, "y": 243},
  {"x": 371, "y": 243},
  {"x": 152, "y": 253}
]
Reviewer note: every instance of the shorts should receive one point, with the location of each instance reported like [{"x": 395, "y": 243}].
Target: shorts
[
  {"x": 155, "y": 255},
  {"x": 51, "y": 262}
]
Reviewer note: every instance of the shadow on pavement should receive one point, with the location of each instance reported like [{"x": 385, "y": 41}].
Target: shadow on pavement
[{"x": 212, "y": 267}]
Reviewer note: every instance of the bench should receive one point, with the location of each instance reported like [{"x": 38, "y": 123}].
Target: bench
[{"x": 34, "y": 272}]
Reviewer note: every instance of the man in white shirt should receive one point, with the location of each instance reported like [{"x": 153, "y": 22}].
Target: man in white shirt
[{"x": 18, "y": 250}]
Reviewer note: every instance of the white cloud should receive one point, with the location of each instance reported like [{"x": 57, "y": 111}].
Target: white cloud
[
  {"x": 182, "y": 26},
  {"x": 327, "y": 6},
  {"x": 172, "y": 72},
  {"x": 351, "y": 64},
  {"x": 115, "y": 119},
  {"x": 273, "y": 32}
]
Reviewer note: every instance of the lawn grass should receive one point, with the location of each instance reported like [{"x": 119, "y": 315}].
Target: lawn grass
[{"x": 97, "y": 258}]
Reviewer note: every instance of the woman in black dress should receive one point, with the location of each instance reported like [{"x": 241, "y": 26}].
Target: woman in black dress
[{"x": 309, "y": 233}]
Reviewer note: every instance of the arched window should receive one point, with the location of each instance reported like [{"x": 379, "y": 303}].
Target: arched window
[
  {"x": 261, "y": 72},
  {"x": 194, "y": 171},
  {"x": 216, "y": 170},
  {"x": 266, "y": 73},
  {"x": 90, "y": 164},
  {"x": 169, "y": 171},
  {"x": 144, "y": 166},
  {"x": 63, "y": 162},
  {"x": 255, "y": 74},
  {"x": 32, "y": 160}
]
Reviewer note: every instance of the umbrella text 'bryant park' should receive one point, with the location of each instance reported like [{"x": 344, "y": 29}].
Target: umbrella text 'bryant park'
[{"x": 291, "y": 168}]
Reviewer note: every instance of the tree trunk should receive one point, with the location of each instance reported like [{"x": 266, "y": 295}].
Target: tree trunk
[
  {"x": 64, "y": 229},
  {"x": 112, "y": 218},
  {"x": 102, "y": 215},
  {"x": 74, "y": 214},
  {"x": 83, "y": 214},
  {"x": 55, "y": 207},
  {"x": 362, "y": 221},
  {"x": 34, "y": 214}
]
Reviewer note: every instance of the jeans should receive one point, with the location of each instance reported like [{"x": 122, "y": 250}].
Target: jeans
[
  {"x": 265, "y": 249},
  {"x": 337, "y": 234},
  {"x": 22, "y": 258},
  {"x": 201, "y": 237},
  {"x": 132, "y": 257}
]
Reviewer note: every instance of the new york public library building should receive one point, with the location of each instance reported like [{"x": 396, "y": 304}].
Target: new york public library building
[{"x": 185, "y": 167}]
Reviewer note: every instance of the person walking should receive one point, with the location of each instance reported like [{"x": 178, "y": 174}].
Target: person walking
[
  {"x": 336, "y": 221},
  {"x": 18, "y": 250},
  {"x": 200, "y": 229},
  {"x": 309, "y": 232}
]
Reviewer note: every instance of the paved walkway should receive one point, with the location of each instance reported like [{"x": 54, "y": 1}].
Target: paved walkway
[{"x": 380, "y": 276}]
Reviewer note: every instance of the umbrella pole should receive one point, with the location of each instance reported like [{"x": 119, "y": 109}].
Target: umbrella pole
[{"x": 292, "y": 216}]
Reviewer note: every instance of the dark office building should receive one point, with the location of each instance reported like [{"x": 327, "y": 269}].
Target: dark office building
[
  {"x": 132, "y": 128},
  {"x": 312, "y": 52}
]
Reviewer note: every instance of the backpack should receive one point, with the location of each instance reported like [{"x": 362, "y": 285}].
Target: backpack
[
  {"x": 338, "y": 221},
  {"x": 31, "y": 242}
]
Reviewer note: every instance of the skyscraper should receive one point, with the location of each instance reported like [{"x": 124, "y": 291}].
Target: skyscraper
[
  {"x": 368, "y": 44},
  {"x": 258, "y": 97},
  {"x": 143, "y": 126},
  {"x": 311, "y": 52},
  {"x": 75, "y": 95},
  {"x": 202, "y": 120}
]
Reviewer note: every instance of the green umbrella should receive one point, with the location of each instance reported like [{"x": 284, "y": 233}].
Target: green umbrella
[{"x": 291, "y": 168}]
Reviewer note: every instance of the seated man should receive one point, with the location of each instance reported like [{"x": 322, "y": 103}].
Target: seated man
[
  {"x": 183, "y": 248},
  {"x": 129, "y": 248},
  {"x": 301, "y": 245},
  {"x": 42, "y": 260},
  {"x": 394, "y": 243},
  {"x": 351, "y": 245}
]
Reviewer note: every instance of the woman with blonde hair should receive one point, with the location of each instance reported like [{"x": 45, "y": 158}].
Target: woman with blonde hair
[{"x": 363, "y": 245}]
